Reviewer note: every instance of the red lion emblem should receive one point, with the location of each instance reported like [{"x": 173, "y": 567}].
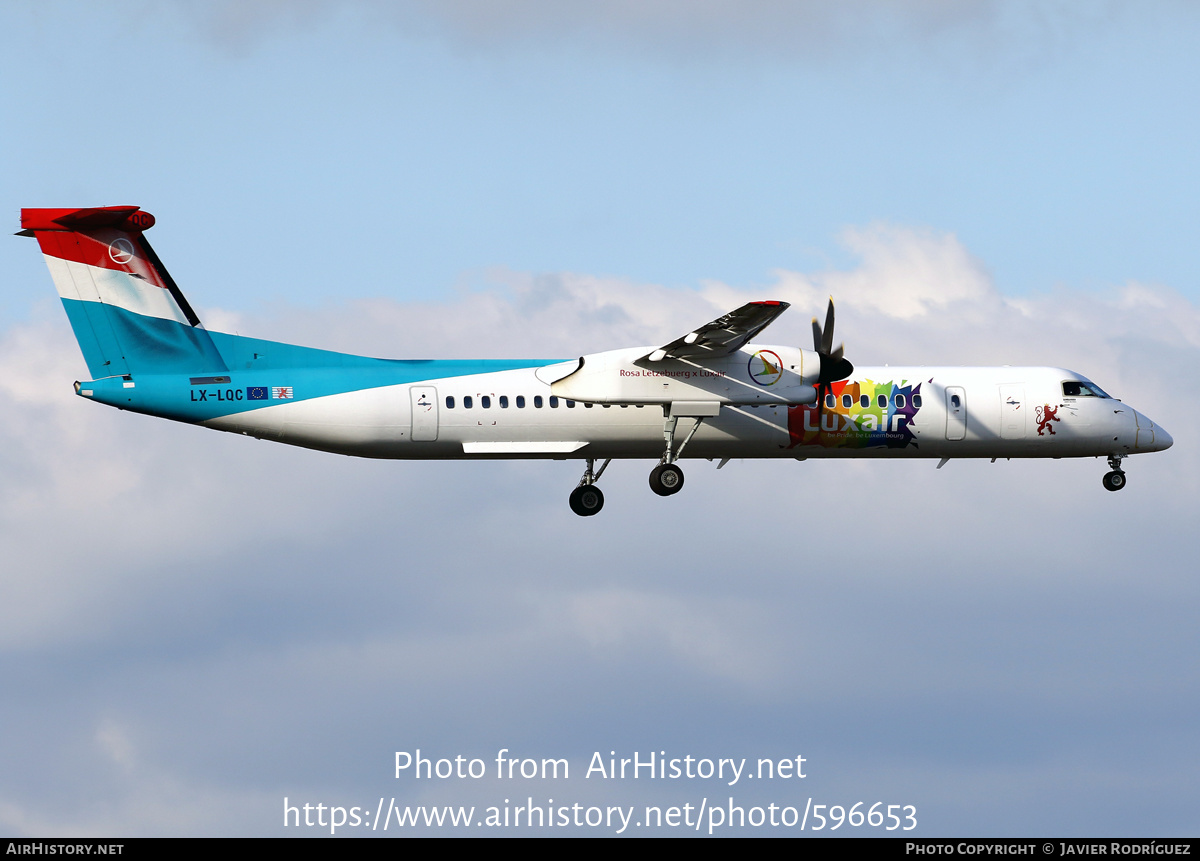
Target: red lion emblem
[{"x": 1045, "y": 415}]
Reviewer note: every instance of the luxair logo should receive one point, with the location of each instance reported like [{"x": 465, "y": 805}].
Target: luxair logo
[
  {"x": 121, "y": 251},
  {"x": 765, "y": 367}
]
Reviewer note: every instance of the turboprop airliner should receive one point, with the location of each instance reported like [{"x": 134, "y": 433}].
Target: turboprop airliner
[{"x": 712, "y": 392}]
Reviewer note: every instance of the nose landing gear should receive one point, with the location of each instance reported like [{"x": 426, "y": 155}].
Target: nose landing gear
[{"x": 1114, "y": 480}]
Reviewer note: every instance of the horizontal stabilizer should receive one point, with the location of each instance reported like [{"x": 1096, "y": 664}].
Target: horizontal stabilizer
[{"x": 130, "y": 218}]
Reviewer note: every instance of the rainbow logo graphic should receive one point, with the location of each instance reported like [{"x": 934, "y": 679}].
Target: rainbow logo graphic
[
  {"x": 863, "y": 414},
  {"x": 765, "y": 367}
]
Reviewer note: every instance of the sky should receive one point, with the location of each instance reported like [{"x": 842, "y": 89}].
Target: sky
[{"x": 195, "y": 627}]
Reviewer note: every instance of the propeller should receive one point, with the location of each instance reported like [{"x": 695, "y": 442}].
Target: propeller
[{"x": 833, "y": 366}]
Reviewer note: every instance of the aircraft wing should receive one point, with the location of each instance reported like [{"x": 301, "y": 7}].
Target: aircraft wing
[{"x": 723, "y": 335}]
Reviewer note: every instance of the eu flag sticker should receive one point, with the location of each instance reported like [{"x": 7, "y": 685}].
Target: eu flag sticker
[{"x": 256, "y": 393}]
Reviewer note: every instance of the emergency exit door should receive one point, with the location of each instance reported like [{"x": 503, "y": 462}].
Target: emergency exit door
[{"x": 1012, "y": 412}]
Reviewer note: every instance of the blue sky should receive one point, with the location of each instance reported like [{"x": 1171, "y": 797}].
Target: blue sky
[
  {"x": 1055, "y": 143},
  {"x": 193, "y": 626}
]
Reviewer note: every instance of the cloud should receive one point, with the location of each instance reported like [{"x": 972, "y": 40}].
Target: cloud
[
  {"x": 198, "y": 624},
  {"x": 915, "y": 296}
]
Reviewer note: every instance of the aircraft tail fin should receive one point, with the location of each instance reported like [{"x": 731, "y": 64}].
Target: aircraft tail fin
[{"x": 128, "y": 313}]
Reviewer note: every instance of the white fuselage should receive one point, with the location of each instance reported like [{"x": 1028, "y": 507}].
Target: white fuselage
[{"x": 958, "y": 412}]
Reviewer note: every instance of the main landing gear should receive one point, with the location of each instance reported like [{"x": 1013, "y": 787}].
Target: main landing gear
[
  {"x": 667, "y": 478},
  {"x": 1114, "y": 480},
  {"x": 587, "y": 499}
]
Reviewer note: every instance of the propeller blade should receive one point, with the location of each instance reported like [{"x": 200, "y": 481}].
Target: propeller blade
[
  {"x": 833, "y": 364},
  {"x": 827, "y": 340}
]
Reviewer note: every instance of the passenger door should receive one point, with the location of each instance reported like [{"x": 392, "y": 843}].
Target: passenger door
[{"x": 424, "y": 413}]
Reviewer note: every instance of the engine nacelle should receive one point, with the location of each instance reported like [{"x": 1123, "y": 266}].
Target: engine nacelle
[{"x": 752, "y": 375}]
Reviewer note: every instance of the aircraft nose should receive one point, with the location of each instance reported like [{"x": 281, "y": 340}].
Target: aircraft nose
[{"x": 1151, "y": 436}]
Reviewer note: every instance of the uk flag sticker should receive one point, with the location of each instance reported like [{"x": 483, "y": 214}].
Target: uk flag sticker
[{"x": 281, "y": 393}]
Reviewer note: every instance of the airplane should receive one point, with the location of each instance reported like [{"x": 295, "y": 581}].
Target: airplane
[{"x": 711, "y": 392}]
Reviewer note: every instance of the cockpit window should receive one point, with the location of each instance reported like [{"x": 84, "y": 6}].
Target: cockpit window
[{"x": 1080, "y": 389}]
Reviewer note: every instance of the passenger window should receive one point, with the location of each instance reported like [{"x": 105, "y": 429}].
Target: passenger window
[
  {"x": 864, "y": 401},
  {"x": 916, "y": 401},
  {"x": 466, "y": 402},
  {"x": 587, "y": 406},
  {"x": 955, "y": 401},
  {"x": 846, "y": 401},
  {"x": 900, "y": 402},
  {"x": 485, "y": 402},
  {"x": 537, "y": 401},
  {"x": 882, "y": 401},
  {"x": 570, "y": 405},
  {"x": 520, "y": 402},
  {"x": 449, "y": 402},
  {"x": 829, "y": 402},
  {"x": 504, "y": 402},
  {"x": 554, "y": 402}
]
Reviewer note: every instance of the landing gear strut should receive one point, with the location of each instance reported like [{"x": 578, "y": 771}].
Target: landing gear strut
[
  {"x": 667, "y": 478},
  {"x": 587, "y": 499},
  {"x": 1114, "y": 480}
]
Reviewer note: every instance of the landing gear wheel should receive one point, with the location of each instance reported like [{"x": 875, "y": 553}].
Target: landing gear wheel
[
  {"x": 586, "y": 500},
  {"x": 1114, "y": 480},
  {"x": 666, "y": 478}
]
